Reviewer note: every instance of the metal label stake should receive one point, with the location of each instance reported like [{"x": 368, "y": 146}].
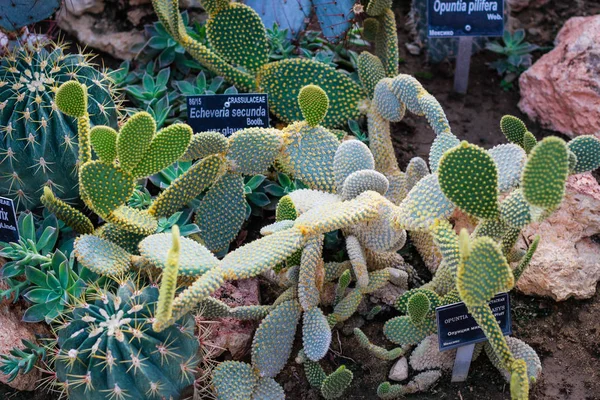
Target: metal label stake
[
  {"x": 463, "y": 64},
  {"x": 462, "y": 363}
]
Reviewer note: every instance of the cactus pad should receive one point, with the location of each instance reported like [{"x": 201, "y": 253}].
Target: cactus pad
[
  {"x": 101, "y": 256},
  {"x": 187, "y": 186},
  {"x": 418, "y": 307},
  {"x": 234, "y": 380},
  {"x": 286, "y": 209},
  {"x": 401, "y": 330},
  {"x": 268, "y": 389},
  {"x": 69, "y": 215},
  {"x": 469, "y": 178},
  {"x": 529, "y": 142},
  {"x": 104, "y": 142},
  {"x": 133, "y": 220},
  {"x": 361, "y": 181},
  {"x": 311, "y": 266},
  {"x": 386, "y": 102},
  {"x": 223, "y": 206},
  {"x": 283, "y": 80},
  {"x": 351, "y": 156},
  {"x": 313, "y": 102},
  {"x": 442, "y": 143},
  {"x": 334, "y": 385},
  {"x": 253, "y": 150},
  {"x": 309, "y": 153},
  {"x": 204, "y": 144},
  {"x": 370, "y": 71},
  {"x": 134, "y": 139},
  {"x": 513, "y": 128},
  {"x": 515, "y": 210},
  {"x": 194, "y": 259},
  {"x": 587, "y": 150},
  {"x": 166, "y": 147},
  {"x": 238, "y": 35},
  {"x": 106, "y": 187},
  {"x": 424, "y": 204},
  {"x": 272, "y": 343},
  {"x": 316, "y": 334},
  {"x": 483, "y": 273},
  {"x": 71, "y": 99},
  {"x": 545, "y": 173},
  {"x": 510, "y": 160}
]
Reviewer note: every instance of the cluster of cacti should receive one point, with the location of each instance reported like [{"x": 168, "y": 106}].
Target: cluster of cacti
[
  {"x": 304, "y": 149},
  {"x": 358, "y": 191},
  {"x": 38, "y": 145},
  {"x": 238, "y": 52},
  {"x": 464, "y": 176}
]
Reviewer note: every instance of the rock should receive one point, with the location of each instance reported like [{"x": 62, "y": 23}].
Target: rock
[
  {"x": 562, "y": 89},
  {"x": 518, "y": 5},
  {"x": 12, "y": 330},
  {"x": 228, "y": 333},
  {"x": 135, "y": 15},
  {"x": 413, "y": 48},
  {"x": 399, "y": 371},
  {"x": 567, "y": 261},
  {"x": 79, "y": 7},
  {"x": 101, "y": 33},
  {"x": 428, "y": 356}
]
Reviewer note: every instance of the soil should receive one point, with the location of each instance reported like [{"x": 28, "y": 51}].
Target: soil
[{"x": 565, "y": 335}]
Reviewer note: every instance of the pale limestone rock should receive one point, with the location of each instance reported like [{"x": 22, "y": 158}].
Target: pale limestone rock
[
  {"x": 79, "y": 7},
  {"x": 399, "y": 371},
  {"x": 567, "y": 261},
  {"x": 101, "y": 34}
]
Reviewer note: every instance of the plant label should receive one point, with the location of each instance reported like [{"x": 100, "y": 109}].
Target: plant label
[
  {"x": 457, "y": 328},
  {"x": 9, "y": 230},
  {"x": 227, "y": 113},
  {"x": 452, "y": 18}
]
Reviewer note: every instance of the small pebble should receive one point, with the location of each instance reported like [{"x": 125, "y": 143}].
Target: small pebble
[{"x": 399, "y": 371}]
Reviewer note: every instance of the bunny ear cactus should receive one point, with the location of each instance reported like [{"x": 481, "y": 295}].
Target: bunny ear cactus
[
  {"x": 482, "y": 273},
  {"x": 105, "y": 184},
  {"x": 469, "y": 178},
  {"x": 306, "y": 152},
  {"x": 331, "y": 386},
  {"x": 237, "y": 38},
  {"x": 586, "y": 149},
  {"x": 38, "y": 147},
  {"x": 109, "y": 350},
  {"x": 237, "y": 34}
]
